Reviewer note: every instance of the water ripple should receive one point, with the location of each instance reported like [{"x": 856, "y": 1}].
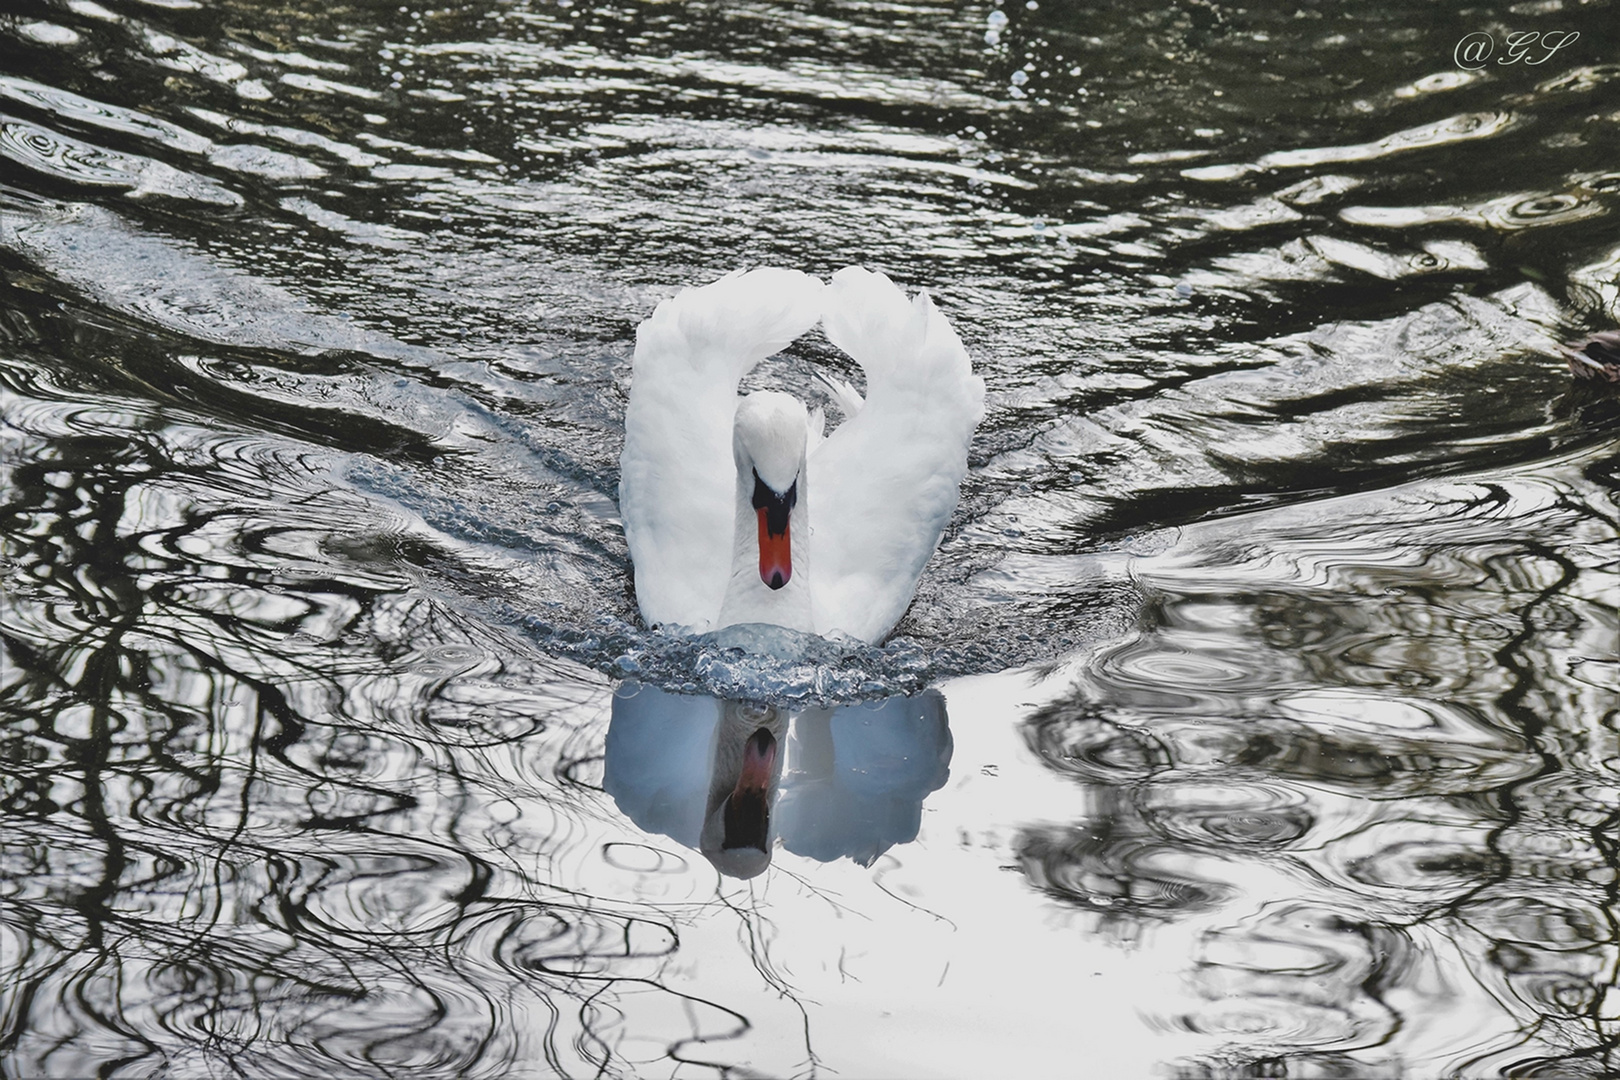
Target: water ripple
[
  {"x": 1253, "y": 815},
  {"x": 70, "y": 160},
  {"x": 1462, "y": 128},
  {"x": 1508, "y": 213}
]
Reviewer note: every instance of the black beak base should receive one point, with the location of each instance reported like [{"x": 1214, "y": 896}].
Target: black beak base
[{"x": 776, "y": 507}]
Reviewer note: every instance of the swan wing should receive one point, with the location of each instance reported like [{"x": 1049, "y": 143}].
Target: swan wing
[
  {"x": 658, "y": 757},
  {"x": 677, "y": 479},
  {"x": 884, "y": 484}
]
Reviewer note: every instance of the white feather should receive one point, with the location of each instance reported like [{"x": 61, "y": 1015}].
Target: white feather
[
  {"x": 847, "y": 397},
  {"x": 884, "y": 484}
]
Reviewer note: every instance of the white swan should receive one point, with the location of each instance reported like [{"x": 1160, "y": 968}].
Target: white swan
[{"x": 739, "y": 511}]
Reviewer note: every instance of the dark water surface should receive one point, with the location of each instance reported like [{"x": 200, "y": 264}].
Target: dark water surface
[{"x": 1270, "y": 661}]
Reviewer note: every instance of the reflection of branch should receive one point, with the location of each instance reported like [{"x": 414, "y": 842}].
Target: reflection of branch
[
  {"x": 877, "y": 879},
  {"x": 1385, "y": 722},
  {"x": 821, "y": 893},
  {"x": 759, "y": 956},
  {"x": 189, "y": 899}
]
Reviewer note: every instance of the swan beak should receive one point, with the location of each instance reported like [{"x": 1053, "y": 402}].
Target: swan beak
[
  {"x": 775, "y": 553},
  {"x": 747, "y": 814},
  {"x": 759, "y": 758},
  {"x": 775, "y": 545}
]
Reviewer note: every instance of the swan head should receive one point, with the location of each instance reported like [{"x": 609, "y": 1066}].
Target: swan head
[
  {"x": 769, "y": 440},
  {"x": 736, "y": 835}
]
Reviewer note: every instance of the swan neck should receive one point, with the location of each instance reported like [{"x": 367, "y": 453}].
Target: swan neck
[{"x": 770, "y": 539}]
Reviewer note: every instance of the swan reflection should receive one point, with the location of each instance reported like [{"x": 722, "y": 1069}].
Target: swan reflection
[{"x": 731, "y": 778}]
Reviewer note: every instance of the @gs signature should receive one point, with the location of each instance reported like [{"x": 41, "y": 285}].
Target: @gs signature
[{"x": 1533, "y": 47}]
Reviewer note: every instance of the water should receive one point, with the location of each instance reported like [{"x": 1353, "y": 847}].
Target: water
[{"x": 1261, "y": 713}]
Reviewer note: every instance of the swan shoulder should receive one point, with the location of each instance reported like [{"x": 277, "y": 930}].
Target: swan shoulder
[
  {"x": 884, "y": 484},
  {"x": 676, "y": 475}
]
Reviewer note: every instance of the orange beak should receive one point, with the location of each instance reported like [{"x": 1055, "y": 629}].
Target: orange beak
[
  {"x": 775, "y": 553},
  {"x": 747, "y": 821},
  {"x": 759, "y": 757},
  {"x": 775, "y": 547}
]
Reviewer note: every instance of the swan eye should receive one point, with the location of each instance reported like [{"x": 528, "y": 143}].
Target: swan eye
[{"x": 776, "y": 507}]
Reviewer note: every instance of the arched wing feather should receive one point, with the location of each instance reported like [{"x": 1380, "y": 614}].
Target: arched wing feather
[{"x": 884, "y": 484}]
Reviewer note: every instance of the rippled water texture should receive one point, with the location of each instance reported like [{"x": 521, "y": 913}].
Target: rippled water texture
[{"x": 1257, "y": 717}]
